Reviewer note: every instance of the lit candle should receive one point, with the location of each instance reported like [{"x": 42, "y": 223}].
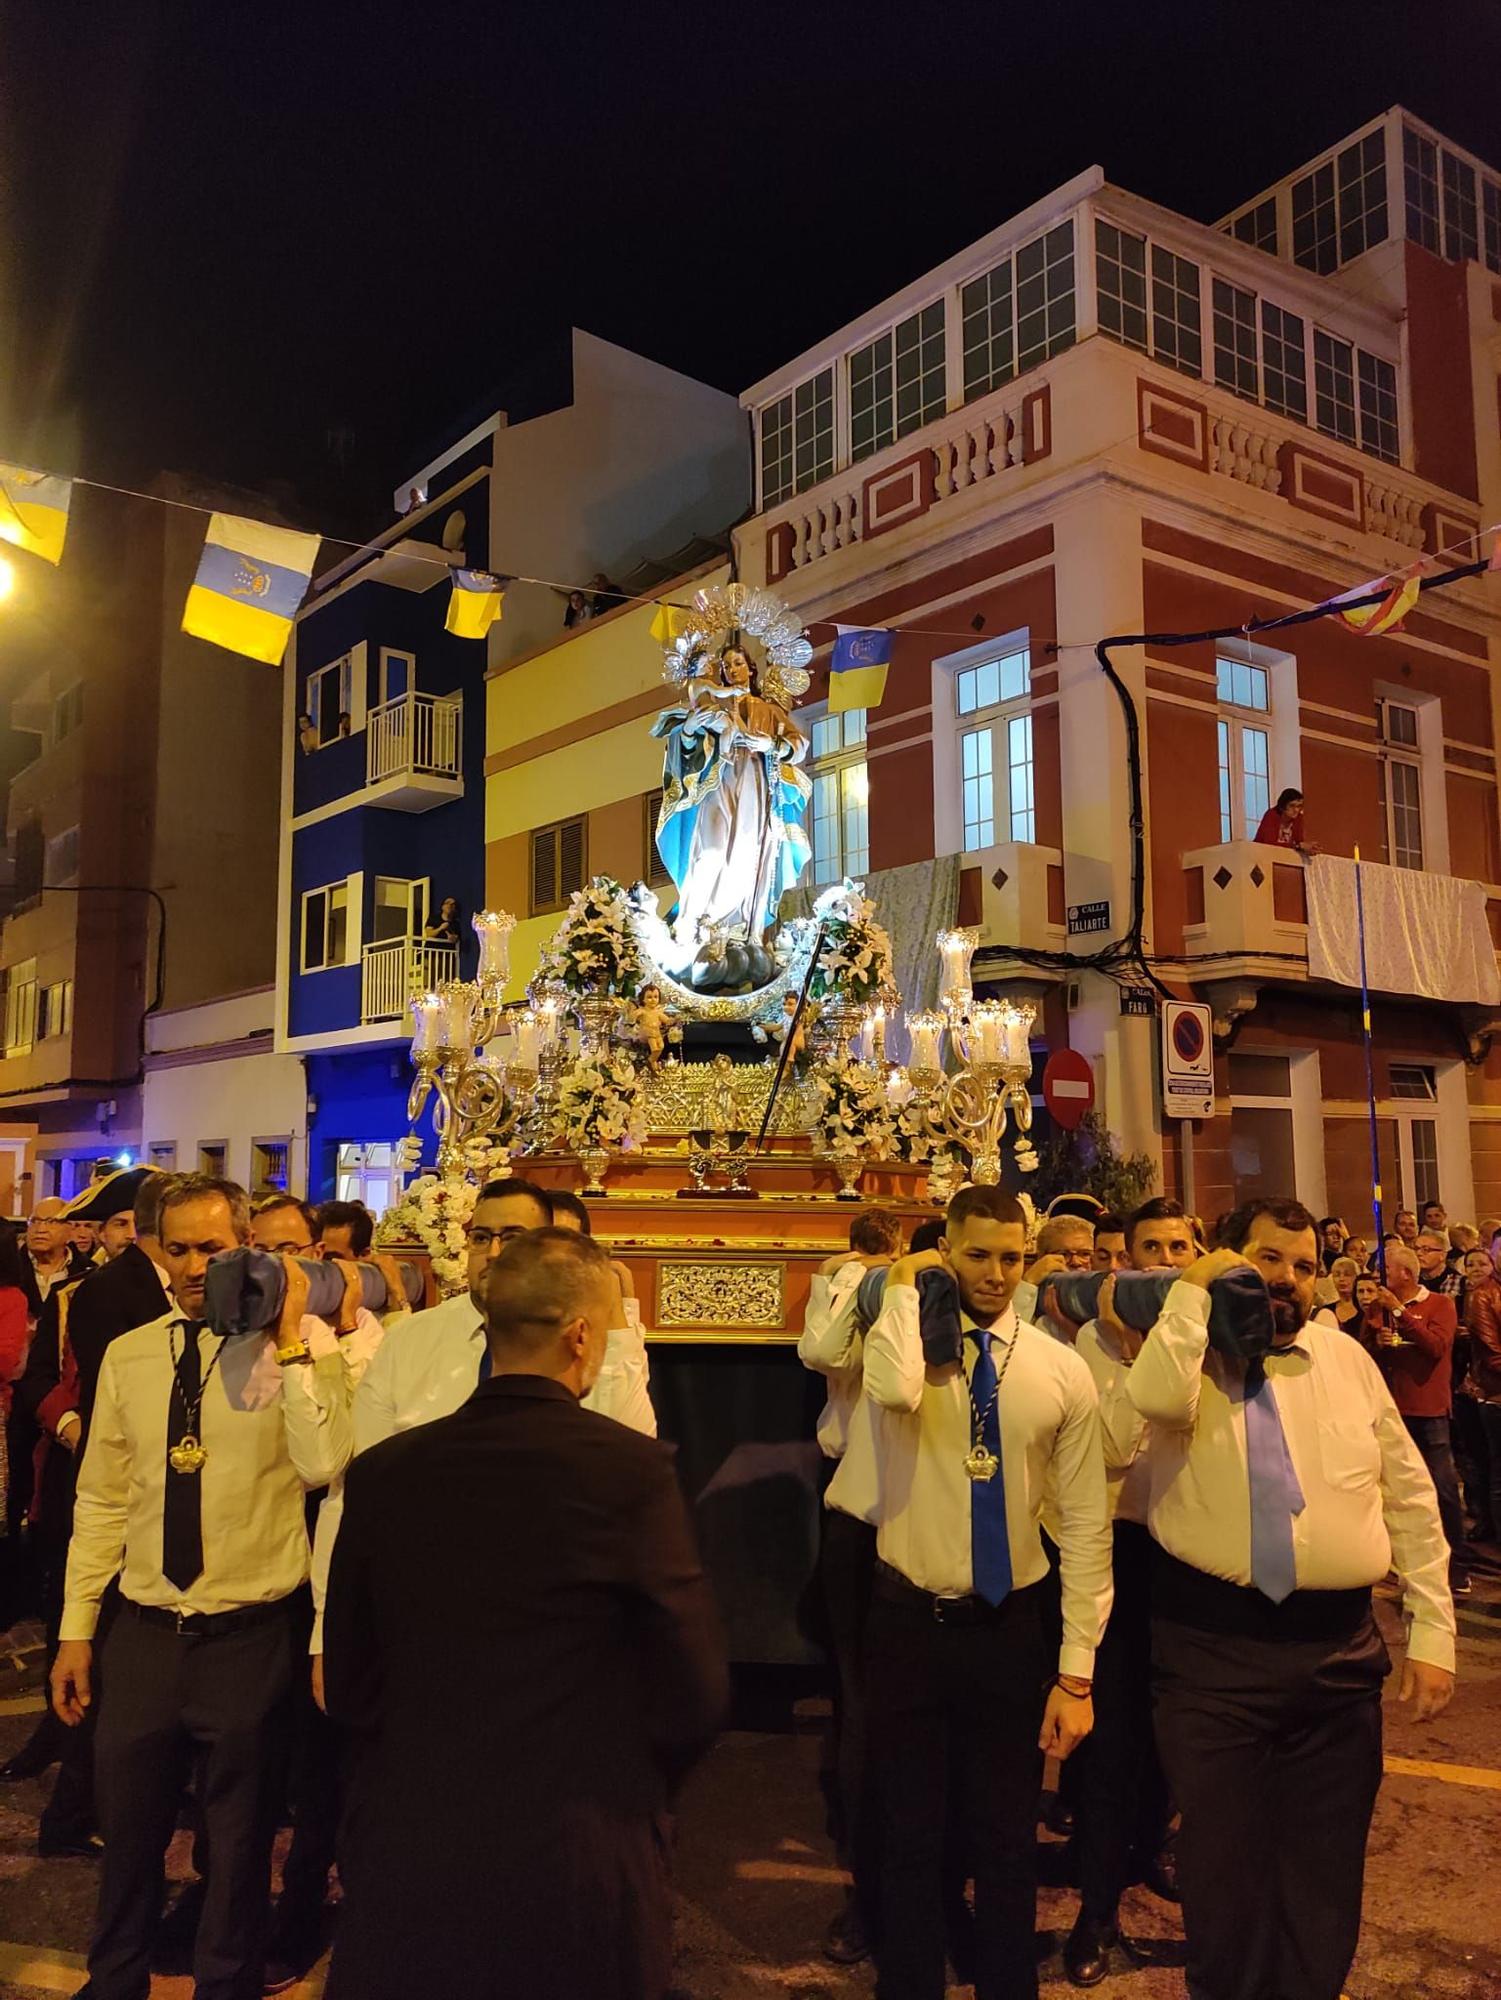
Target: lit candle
[
  {"x": 493, "y": 929},
  {"x": 955, "y": 950},
  {"x": 878, "y": 1034},
  {"x": 460, "y": 1000},
  {"x": 547, "y": 1023},
  {"x": 988, "y": 1032},
  {"x": 528, "y": 1034},
  {"x": 926, "y": 1030},
  {"x": 428, "y": 1013},
  {"x": 1018, "y": 1036}
]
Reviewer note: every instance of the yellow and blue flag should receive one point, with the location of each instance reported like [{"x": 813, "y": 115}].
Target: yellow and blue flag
[
  {"x": 34, "y": 510},
  {"x": 857, "y": 668},
  {"x": 251, "y": 579},
  {"x": 671, "y": 622},
  {"x": 475, "y": 604}
]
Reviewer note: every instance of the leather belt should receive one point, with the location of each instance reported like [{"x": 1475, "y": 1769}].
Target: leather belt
[{"x": 207, "y": 1624}]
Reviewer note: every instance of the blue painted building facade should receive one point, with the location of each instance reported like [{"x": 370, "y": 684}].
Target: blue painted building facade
[{"x": 383, "y": 784}]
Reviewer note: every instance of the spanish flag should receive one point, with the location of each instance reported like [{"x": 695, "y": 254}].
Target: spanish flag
[
  {"x": 475, "y": 603},
  {"x": 1371, "y": 620},
  {"x": 34, "y": 510},
  {"x": 857, "y": 667},
  {"x": 250, "y": 581}
]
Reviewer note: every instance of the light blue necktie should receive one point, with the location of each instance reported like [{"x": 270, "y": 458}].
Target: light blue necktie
[
  {"x": 1276, "y": 1496},
  {"x": 989, "y": 1542}
]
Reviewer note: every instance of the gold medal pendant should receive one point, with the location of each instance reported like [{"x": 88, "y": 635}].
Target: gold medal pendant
[
  {"x": 981, "y": 1463},
  {"x": 188, "y": 1455}
]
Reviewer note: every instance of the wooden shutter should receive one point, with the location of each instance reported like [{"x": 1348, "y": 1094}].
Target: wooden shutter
[
  {"x": 544, "y": 869},
  {"x": 570, "y": 858}
]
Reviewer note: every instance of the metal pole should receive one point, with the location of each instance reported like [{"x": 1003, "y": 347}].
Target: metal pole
[
  {"x": 1370, "y": 1073},
  {"x": 1186, "y": 1149}
]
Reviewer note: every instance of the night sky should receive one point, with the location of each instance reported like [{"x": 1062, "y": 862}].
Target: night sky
[{"x": 303, "y": 245}]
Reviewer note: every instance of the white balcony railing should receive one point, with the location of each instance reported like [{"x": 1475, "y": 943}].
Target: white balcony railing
[
  {"x": 396, "y": 969},
  {"x": 415, "y": 735}
]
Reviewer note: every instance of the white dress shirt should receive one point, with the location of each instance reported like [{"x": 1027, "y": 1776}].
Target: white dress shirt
[
  {"x": 1123, "y": 1429},
  {"x": 1050, "y": 1456},
  {"x": 427, "y": 1366},
  {"x": 837, "y": 1359},
  {"x": 1369, "y": 1503},
  {"x": 266, "y": 1432}
]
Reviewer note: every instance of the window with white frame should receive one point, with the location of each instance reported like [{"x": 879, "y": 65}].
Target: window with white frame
[
  {"x": 1236, "y": 364},
  {"x": 326, "y": 930},
  {"x": 896, "y": 381},
  {"x": 1420, "y": 181},
  {"x": 365, "y": 1173},
  {"x": 1334, "y": 386},
  {"x": 1121, "y": 283},
  {"x": 1491, "y": 221},
  {"x": 398, "y": 909},
  {"x": 20, "y": 1007},
  {"x": 1177, "y": 335},
  {"x": 1315, "y": 228},
  {"x": 1360, "y": 171},
  {"x": 55, "y": 1009},
  {"x": 1045, "y": 296},
  {"x": 398, "y": 673},
  {"x": 797, "y": 439},
  {"x": 1379, "y": 433},
  {"x": 1417, "y": 1133},
  {"x": 993, "y": 722},
  {"x": 1284, "y": 364},
  {"x": 330, "y": 699},
  {"x": 839, "y": 810},
  {"x": 1245, "y": 746},
  {"x": 987, "y": 320},
  {"x": 1400, "y": 770},
  {"x": 1461, "y": 216},
  {"x": 1258, "y": 226}
]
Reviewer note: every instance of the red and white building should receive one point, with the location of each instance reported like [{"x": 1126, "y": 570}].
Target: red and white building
[{"x": 1109, "y": 418}]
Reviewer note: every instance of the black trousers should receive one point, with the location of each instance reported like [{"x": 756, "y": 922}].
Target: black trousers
[
  {"x": 1123, "y": 1807},
  {"x": 218, "y": 1704},
  {"x": 1269, "y": 1724},
  {"x": 954, "y": 1712},
  {"x": 848, "y": 1564},
  {"x": 1431, "y": 1436}
]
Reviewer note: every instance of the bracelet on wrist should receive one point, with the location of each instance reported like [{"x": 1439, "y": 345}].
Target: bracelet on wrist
[{"x": 1075, "y": 1685}]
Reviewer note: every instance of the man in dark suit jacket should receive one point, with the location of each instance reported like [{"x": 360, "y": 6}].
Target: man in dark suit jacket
[
  {"x": 509, "y": 1839},
  {"x": 57, "y": 1390}
]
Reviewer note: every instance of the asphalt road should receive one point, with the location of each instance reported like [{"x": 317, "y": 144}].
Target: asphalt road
[{"x": 758, "y": 1882}]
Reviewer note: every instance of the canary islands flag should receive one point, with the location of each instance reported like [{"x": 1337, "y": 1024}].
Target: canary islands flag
[
  {"x": 475, "y": 604},
  {"x": 250, "y": 581},
  {"x": 671, "y": 622},
  {"x": 857, "y": 669},
  {"x": 34, "y": 510}
]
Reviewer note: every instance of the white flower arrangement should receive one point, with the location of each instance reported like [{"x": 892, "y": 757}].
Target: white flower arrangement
[
  {"x": 852, "y": 1113},
  {"x": 594, "y": 949},
  {"x": 601, "y": 1102},
  {"x": 434, "y": 1213},
  {"x": 855, "y": 964}
]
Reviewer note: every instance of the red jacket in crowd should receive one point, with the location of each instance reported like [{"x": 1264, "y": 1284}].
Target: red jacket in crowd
[
  {"x": 1483, "y": 1319},
  {"x": 1419, "y": 1374}
]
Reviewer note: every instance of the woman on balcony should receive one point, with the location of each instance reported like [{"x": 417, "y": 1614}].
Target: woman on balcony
[{"x": 1282, "y": 824}]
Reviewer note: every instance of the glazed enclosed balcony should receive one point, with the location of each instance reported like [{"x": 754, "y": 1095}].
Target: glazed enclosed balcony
[
  {"x": 1257, "y": 914},
  {"x": 1094, "y": 325}
]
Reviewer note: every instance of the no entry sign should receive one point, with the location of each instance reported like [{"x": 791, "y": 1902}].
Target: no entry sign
[{"x": 1067, "y": 1087}]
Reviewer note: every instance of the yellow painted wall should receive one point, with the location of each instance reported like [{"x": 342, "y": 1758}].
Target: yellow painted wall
[{"x": 601, "y": 770}]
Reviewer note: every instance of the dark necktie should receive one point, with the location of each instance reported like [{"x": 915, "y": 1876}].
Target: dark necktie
[
  {"x": 989, "y": 1539},
  {"x": 1276, "y": 1496},
  {"x": 182, "y": 1507}
]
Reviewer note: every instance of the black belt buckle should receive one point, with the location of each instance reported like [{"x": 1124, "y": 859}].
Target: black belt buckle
[{"x": 953, "y": 1610}]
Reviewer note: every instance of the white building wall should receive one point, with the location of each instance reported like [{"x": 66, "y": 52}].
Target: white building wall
[{"x": 212, "y": 1078}]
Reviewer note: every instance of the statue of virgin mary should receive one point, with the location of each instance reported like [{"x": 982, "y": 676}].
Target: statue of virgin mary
[{"x": 730, "y": 832}]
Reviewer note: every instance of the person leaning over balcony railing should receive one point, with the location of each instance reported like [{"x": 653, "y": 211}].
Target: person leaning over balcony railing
[{"x": 1282, "y": 824}]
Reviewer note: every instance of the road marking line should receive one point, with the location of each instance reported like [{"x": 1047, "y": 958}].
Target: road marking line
[
  {"x": 22, "y": 1704},
  {"x": 1448, "y": 1774},
  {"x": 41, "y": 1969}
]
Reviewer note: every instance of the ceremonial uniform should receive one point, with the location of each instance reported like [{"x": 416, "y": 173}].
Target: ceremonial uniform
[
  {"x": 1279, "y": 1493},
  {"x": 957, "y": 1651},
  {"x": 191, "y": 1491}
]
